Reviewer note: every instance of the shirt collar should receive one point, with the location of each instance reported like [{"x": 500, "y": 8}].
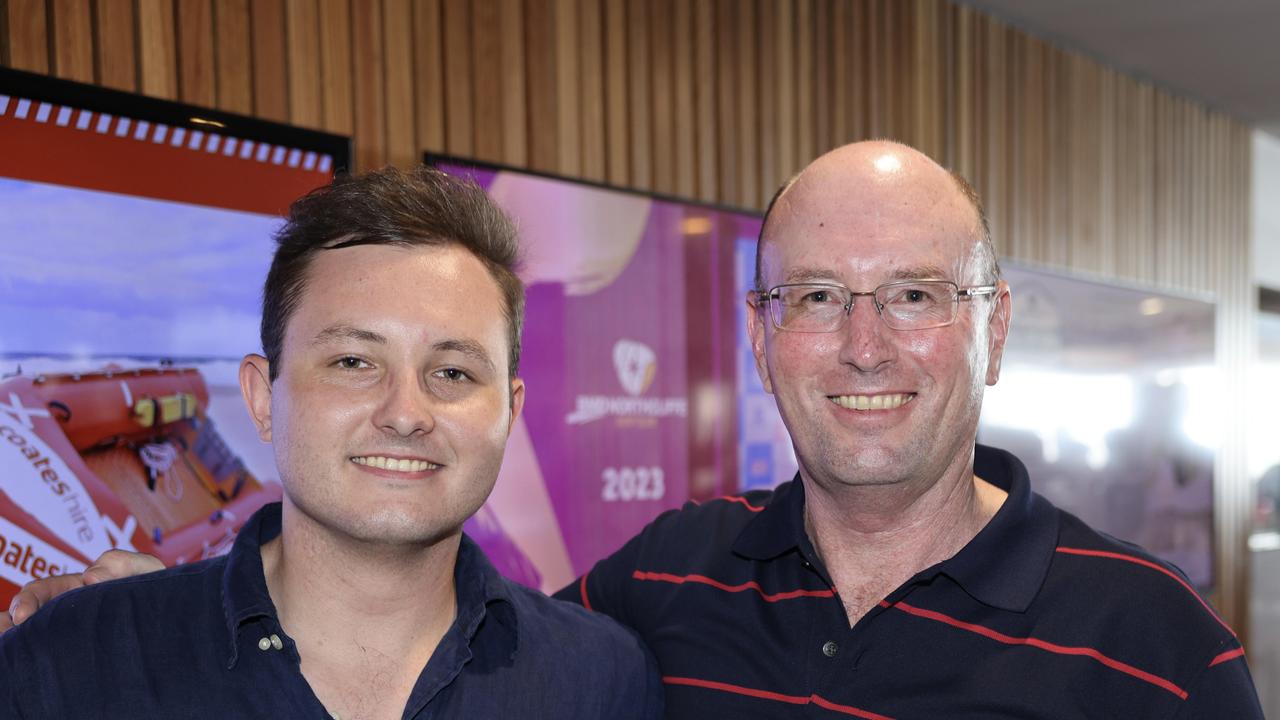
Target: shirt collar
[
  {"x": 244, "y": 585},
  {"x": 481, "y": 590},
  {"x": 1003, "y": 566}
]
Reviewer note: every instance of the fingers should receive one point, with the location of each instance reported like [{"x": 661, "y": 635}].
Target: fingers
[
  {"x": 111, "y": 565},
  {"x": 38, "y": 592},
  {"x": 116, "y": 564}
]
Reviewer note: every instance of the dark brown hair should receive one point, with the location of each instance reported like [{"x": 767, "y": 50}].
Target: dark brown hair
[{"x": 421, "y": 207}]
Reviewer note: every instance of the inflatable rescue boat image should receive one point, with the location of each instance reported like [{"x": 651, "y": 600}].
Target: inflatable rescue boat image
[{"x": 116, "y": 458}]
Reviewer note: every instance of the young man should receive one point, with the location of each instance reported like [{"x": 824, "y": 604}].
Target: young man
[{"x": 390, "y": 331}]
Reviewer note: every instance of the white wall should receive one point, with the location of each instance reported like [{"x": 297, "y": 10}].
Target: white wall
[{"x": 1266, "y": 209}]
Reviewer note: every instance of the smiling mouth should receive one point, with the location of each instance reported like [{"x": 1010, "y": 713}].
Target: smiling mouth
[
  {"x": 872, "y": 402},
  {"x": 395, "y": 464}
]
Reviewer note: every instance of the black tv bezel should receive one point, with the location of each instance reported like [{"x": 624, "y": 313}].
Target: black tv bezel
[{"x": 45, "y": 88}]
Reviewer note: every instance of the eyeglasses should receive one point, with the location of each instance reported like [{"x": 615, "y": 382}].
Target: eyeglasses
[{"x": 908, "y": 305}]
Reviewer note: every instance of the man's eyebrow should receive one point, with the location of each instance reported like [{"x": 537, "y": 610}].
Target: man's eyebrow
[
  {"x": 470, "y": 348},
  {"x": 335, "y": 333},
  {"x": 919, "y": 272},
  {"x": 922, "y": 272},
  {"x": 806, "y": 274}
]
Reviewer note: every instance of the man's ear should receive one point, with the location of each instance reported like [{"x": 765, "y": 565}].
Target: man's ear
[
  {"x": 757, "y": 319},
  {"x": 517, "y": 402},
  {"x": 255, "y": 386},
  {"x": 998, "y": 330}
]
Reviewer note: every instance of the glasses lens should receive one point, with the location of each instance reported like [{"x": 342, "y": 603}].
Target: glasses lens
[
  {"x": 809, "y": 308},
  {"x": 917, "y": 305}
]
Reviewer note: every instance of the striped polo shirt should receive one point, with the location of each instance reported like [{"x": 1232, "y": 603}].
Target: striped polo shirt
[{"x": 1038, "y": 616}]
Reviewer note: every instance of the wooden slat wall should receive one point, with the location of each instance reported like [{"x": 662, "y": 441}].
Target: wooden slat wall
[{"x": 1081, "y": 167}]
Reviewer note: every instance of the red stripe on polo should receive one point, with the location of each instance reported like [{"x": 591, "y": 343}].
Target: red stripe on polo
[
  {"x": 1044, "y": 645},
  {"x": 582, "y": 586},
  {"x": 1228, "y": 655},
  {"x": 1153, "y": 566},
  {"x": 751, "y": 585},
  {"x": 735, "y": 499},
  {"x": 778, "y": 697},
  {"x": 752, "y": 508}
]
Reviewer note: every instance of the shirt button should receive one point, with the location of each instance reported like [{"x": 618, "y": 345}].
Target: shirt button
[
  {"x": 830, "y": 648},
  {"x": 275, "y": 642},
  {"x": 264, "y": 644}
]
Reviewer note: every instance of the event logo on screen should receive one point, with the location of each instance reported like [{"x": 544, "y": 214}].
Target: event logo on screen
[{"x": 637, "y": 366}]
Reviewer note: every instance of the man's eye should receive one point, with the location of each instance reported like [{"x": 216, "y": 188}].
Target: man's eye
[
  {"x": 818, "y": 297},
  {"x": 351, "y": 363},
  {"x": 453, "y": 374}
]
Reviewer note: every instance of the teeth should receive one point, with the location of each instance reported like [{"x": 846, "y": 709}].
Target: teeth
[
  {"x": 396, "y": 464},
  {"x": 872, "y": 402}
]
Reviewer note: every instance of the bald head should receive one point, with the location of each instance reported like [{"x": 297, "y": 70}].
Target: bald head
[{"x": 872, "y": 176}]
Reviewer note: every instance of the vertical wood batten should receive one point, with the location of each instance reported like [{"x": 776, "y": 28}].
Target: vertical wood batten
[
  {"x": 232, "y": 56},
  {"x": 367, "y": 81},
  {"x": 196, "y": 84},
  {"x": 458, "y": 80},
  {"x": 639, "y": 82},
  {"x": 568, "y": 97},
  {"x": 336, "y": 99},
  {"x": 486, "y": 68},
  {"x": 591, "y": 60},
  {"x": 540, "y": 48},
  {"x": 71, "y": 39},
  {"x": 746, "y": 72},
  {"x": 823, "y": 88},
  {"x": 302, "y": 48},
  {"x": 403, "y": 149},
  {"x": 515, "y": 143},
  {"x": 114, "y": 51},
  {"x": 706, "y": 89},
  {"x": 769, "y": 138},
  {"x": 428, "y": 63},
  {"x": 805, "y": 116},
  {"x": 728, "y": 119},
  {"x": 617, "y": 138},
  {"x": 157, "y": 53},
  {"x": 683, "y": 117},
  {"x": 785, "y": 95},
  {"x": 662, "y": 95},
  {"x": 270, "y": 82},
  {"x": 28, "y": 40}
]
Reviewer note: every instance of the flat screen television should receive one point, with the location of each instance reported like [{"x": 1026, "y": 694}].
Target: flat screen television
[
  {"x": 629, "y": 360},
  {"x": 134, "y": 237}
]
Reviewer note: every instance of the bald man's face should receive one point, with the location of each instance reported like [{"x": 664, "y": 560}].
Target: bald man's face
[{"x": 860, "y": 217}]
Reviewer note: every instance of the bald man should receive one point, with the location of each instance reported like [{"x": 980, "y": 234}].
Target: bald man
[{"x": 905, "y": 572}]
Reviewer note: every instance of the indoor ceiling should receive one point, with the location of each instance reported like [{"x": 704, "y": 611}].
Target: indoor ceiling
[{"x": 1225, "y": 53}]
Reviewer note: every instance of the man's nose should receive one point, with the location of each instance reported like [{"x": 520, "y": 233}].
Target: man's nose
[
  {"x": 406, "y": 407},
  {"x": 866, "y": 343}
]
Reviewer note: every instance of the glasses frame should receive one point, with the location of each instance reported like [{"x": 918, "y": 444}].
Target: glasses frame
[{"x": 768, "y": 297}]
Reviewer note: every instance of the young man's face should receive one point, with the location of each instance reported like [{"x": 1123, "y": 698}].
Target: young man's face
[{"x": 393, "y": 402}]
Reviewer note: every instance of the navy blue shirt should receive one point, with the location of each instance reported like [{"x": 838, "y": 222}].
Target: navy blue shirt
[
  {"x": 196, "y": 641},
  {"x": 1037, "y": 617}
]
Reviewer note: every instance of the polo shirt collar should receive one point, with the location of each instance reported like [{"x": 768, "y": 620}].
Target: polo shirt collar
[
  {"x": 481, "y": 590},
  {"x": 1003, "y": 566}
]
